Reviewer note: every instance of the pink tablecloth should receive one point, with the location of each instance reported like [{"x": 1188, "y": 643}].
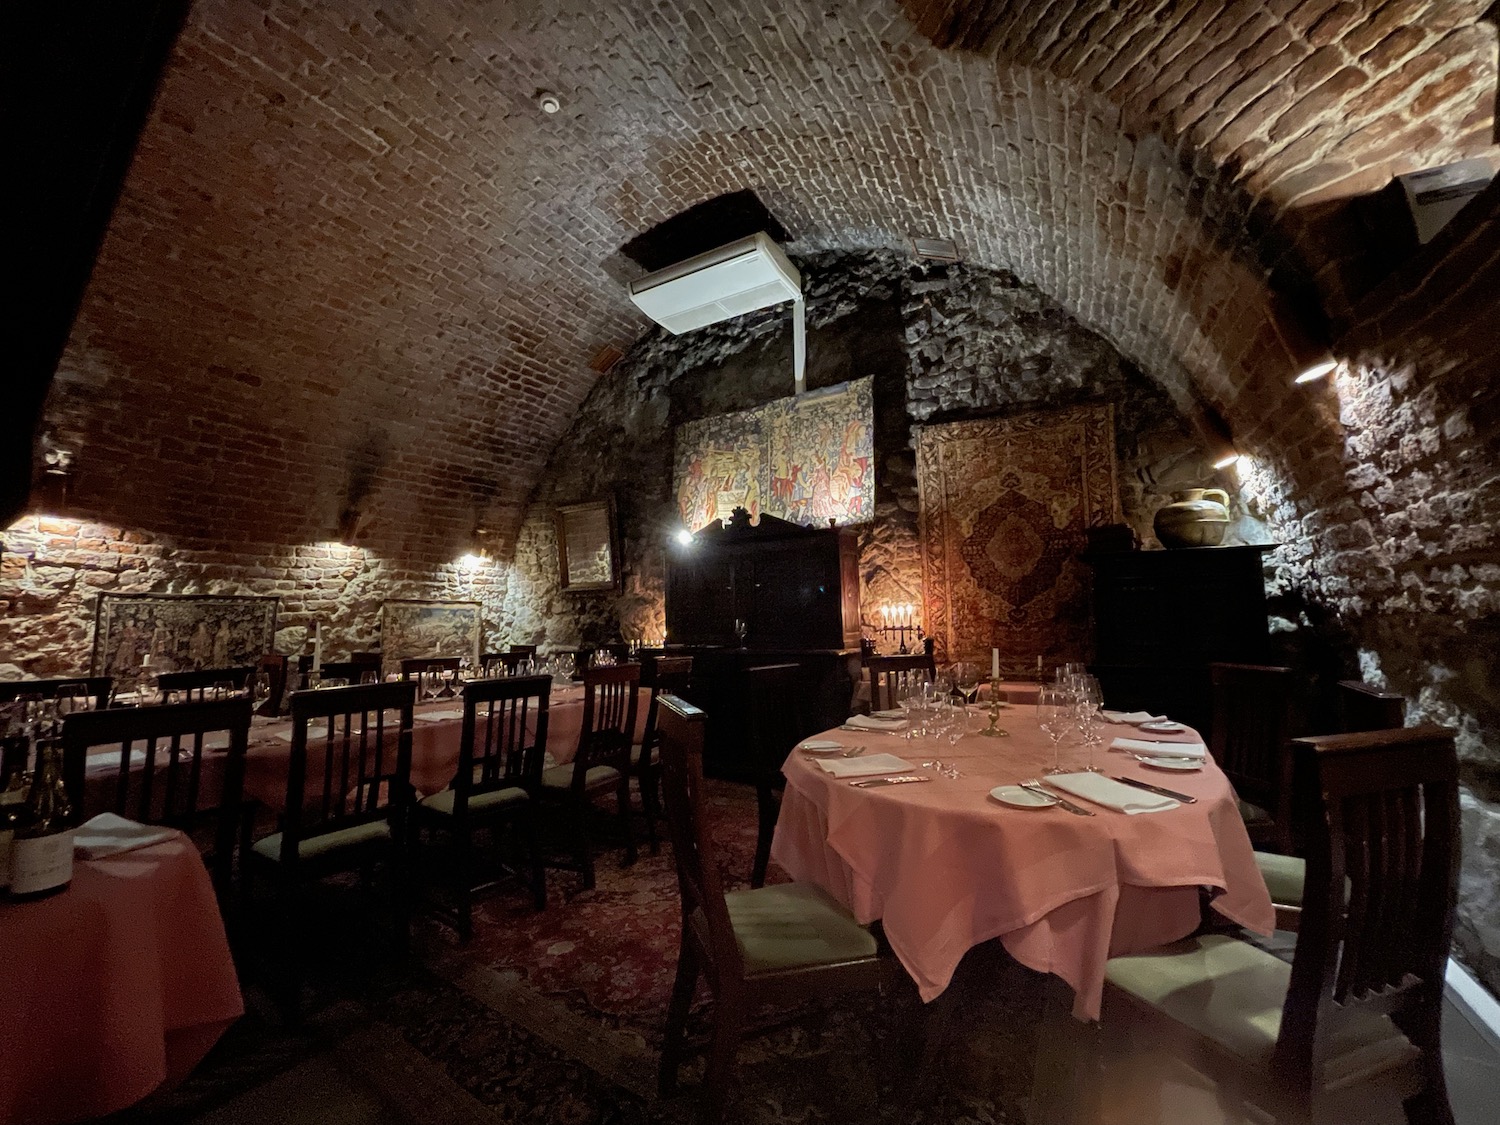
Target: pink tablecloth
[
  {"x": 120, "y": 983},
  {"x": 944, "y": 866}
]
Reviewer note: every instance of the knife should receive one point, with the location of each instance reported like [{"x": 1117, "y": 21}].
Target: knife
[
  {"x": 1157, "y": 789},
  {"x": 903, "y": 779},
  {"x": 1042, "y": 791}
]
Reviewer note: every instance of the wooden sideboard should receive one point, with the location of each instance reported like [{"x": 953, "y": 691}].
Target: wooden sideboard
[{"x": 1161, "y": 617}]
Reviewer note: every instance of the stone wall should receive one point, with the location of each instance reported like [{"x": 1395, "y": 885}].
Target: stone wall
[
  {"x": 941, "y": 343},
  {"x": 52, "y": 569}
]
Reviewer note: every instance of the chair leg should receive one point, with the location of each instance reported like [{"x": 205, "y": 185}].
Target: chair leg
[
  {"x": 532, "y": 847},
  {"x": 622, "y": 798},
  {"x": 289, "y": 912},
  {"x": 767, "y": 808},
  {"x": 463, "y": 865},
  {"x": 728, "y": 1019},
  {"x": 583, "y": 847},
  {"x": 1424, "y": 1028},
  {"x": 650, "y": 796},
  {"x": 677, "y": 1015}
]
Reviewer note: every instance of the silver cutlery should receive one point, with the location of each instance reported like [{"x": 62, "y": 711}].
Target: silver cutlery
[
  {"x": 1040, "y": 790},
  {"x": 900, "y": 779},
  {"x": 853, "y": 752},
  {"x": 1157, "y": 789}
]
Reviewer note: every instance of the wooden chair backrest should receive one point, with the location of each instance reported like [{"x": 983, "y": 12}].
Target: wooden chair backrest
[
  {"x": 1254, "y": 716},
  {"x": 195, "y": 683},
  {"x": 417, "y": 665},
  {"x": 609, "y": 709},
  {"x": 1381, "y": 884},
  {"x": 1365, "y": 707},
  {"x": 166, "y": 786},
  {"x": 773, "y": 709},
  {"x": 704, "y": 915},
  {"x": 500, "y": 663},
  {"x": 504, "y": 737},
  {"x": 882, "y": 671},
  {"x": 672, "y": 675},
  {"x": 363, "y": 760},
  {"x": 523, "y": 650},
  {"x": 350, "y": 670},
  {"x": 98, "y": 687}
]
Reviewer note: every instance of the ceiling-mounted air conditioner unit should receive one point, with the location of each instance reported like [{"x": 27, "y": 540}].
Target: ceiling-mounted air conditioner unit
[
  {"x": 1435, "y": 195},
  {"x": 740, "y": 277}
]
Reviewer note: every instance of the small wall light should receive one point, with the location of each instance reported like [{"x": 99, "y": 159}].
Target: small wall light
[
  {"x": 1317, "y": 370},
  {"x": 684, "y": 537},
  {"x": 1227, "y": 458}
]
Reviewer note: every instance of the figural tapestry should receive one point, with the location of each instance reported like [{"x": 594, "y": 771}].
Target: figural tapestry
[
  {"x": 806, "y": 459},
  {"x": 1005, "y": 508}
]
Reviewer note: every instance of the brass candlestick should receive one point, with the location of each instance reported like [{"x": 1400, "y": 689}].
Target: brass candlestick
[{"x": 995, "y": 730}]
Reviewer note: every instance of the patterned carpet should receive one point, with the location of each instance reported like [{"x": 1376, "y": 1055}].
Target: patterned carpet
[{"x": 555, "y": 1019}]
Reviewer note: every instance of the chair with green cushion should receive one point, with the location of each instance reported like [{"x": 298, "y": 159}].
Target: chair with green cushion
[
  {"x": 348, "y": 796},
  {"x": 499, "y": 769},
  {"x": 775, "y": 945},
  {"x": 601, "y": 764},
  {"x": 670, "y": 675},
  {"x": 1362, "y": 707},
  {"x": 1357, "y": 1013},
  {"x": 1255, "y": 712}
]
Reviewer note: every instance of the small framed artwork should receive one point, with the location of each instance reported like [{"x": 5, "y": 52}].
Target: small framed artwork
[
  {"x": 410, "y": 629},
  {"x": 587, "y": 554}
]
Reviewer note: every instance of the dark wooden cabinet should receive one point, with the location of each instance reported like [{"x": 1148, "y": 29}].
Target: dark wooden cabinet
[
  {"x": 1161, "y": 617},
  {"x": 797, "y": 591}
]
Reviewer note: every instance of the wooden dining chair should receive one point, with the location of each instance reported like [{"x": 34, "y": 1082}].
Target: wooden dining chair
[
  {"x": 180, "y": 765},
  {"x": 500, "y": 663},
  {"x": 99, "y": 688},
  {"x": 351, "y": 670},
  {"x": 347, "y": 804},
  {"x": 1255, "y": 713},
  {"x": 499, "y": 771},
  {"x": 601, "y": 764},
  {"x": 773, "y": 696},
  {"x": 196, "y": 683},
  {"x": 1362, "y": 707},
  {"x": 881, "y": 672},
  {"x": 781, "y": 945},
  {"x": 420, "y": 665},
  {"x": 670, "y": 675},
  {"x": 1358, "y": 1012},
  {"x": 522, "y": 650}
]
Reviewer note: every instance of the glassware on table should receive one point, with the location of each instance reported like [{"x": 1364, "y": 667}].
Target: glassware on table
[
  {"x": 260, "y": 689},
  {"x": 1087, "y": 699},
  {"x": 332, "y": 681},
  {"x": 224, "y": 689},
  {"x": 966, "y": 680},
  {"x": 73, "y": 697},
  {"x": 1066, "y": 672},
  {"x": 1054, "y": 715},
  {"x": 369, "y": 676}
]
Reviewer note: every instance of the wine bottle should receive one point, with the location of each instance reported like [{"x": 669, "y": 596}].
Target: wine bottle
[
  {"x": 41, "y": 858},
  {"x": 12, "y": 802}
]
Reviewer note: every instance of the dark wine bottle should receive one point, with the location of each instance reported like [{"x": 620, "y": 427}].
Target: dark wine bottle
[{"x": 41, "y": 856}]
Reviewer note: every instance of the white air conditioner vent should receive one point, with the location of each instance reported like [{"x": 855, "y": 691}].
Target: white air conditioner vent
[{"x": 1435, "y": 195}]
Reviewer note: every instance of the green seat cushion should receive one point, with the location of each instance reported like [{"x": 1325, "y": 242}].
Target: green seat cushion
[
  {"x": 1252, "y": 814},
  {"x": 478, "y": 802},
  {"x": 327, "y": 843},
  {"x": 1284, "y": 876},
  {"x": 561, "y": 777},
  {"x": 1232, "y": 992},
  {"x": 791, "y": 925}
]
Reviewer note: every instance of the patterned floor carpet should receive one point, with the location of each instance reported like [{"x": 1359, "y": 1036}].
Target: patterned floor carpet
[{"x": 554, "y": 1018}]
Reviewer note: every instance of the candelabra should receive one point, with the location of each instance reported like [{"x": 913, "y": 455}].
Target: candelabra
[{"x": 898, "y": 620}]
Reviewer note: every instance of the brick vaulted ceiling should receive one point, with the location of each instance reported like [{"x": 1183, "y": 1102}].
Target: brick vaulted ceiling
[{"x": 351, "y": 243}]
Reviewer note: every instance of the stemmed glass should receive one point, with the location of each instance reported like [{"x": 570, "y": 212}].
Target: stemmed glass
[
  {"x": 1054, "y": 715},
  {"x": 966, "y": 680},
  {"x": 1087, "y": 699},
  {"x": 260, "y": 689}
]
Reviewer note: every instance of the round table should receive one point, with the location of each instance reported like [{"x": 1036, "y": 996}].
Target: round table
[
  {"x": 113, "y": 987},
  {"x": 944, "y": 866}
]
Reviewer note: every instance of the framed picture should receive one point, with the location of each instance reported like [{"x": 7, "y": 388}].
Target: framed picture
[
  {"x": 179, "y": 632},
  {"x": 587, "y": 555},
  {"x": 414, "y": 628}
]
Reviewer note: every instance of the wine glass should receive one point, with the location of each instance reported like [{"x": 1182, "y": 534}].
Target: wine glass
[
  {"x": 1054, "y": 715},
  {"x": 966, "y": 680},
  {"x": 224, "y": 689},
  {"x": 369, "y": 676},
  {"x": 260, "y": 689},
  {"x": 1087, "y": 699}
]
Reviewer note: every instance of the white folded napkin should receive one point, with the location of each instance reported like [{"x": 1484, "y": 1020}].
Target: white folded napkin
[
  {"x": 867, "y": 765},
  {"x": 217, "y": 740},
  {"x": 1165, "y": 749},
  {"x": 866, "y": 722},
  {"x": 438, "y": 716},
  {"x": 1132, "y": 717},
  {"x": 108, "y": 834},
  {"x": 1110, "y": 793},
  {"x": 109, "y": 760}
]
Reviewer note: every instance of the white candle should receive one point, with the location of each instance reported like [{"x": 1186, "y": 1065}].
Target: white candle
[
  {"x": 317, "y": 647},
  {"x": 995, "y": 665}
]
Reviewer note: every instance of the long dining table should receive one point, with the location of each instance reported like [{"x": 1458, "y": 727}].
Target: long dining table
[{"x": 944, "y": 866}]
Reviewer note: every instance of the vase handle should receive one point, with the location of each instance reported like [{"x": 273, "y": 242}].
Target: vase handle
[{"x": 1223, "y": 497}]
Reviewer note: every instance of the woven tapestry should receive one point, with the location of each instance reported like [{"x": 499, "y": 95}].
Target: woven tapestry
[
  {"x": 1006, "y": 504},
  {"x": 806, "y": 459}
]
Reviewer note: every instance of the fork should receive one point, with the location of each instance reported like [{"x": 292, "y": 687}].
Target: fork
[
  {"x": 1034, "y": 785},
  {"x": 853, "y": 752}
]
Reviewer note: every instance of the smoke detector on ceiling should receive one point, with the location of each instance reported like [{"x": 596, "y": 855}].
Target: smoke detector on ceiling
[{"x": 548, "y": 102}]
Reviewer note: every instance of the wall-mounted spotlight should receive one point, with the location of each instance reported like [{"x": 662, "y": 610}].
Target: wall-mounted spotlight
[
  {"x": 1316, "y": 370},
  {"x": 684, "y": 537},
  {"x": 1227, "y": 458}
]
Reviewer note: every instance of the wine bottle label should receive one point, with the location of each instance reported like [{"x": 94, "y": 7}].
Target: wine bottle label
[{"x": 39, "y": 863}]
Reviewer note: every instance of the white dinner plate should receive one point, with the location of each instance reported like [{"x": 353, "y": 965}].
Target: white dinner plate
[
  {"x": 1163, "y": 726},
  {"x": 1020, "y": 798},
  {"x": 1180, "y": 764},
  {"x": 818, "y": 746}
]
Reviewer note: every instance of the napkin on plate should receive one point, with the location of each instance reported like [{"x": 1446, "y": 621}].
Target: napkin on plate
[
  {"x": 867, "y": 722},
  {"x": 1132, "y": 717},
  {"x": 1165, "y": 749},
  {"x": 1110, "y": 793},
  {"x": 438, "y": 716},
  {"x": 868, "y": 765},
  {"x": 108, "y": 834}
]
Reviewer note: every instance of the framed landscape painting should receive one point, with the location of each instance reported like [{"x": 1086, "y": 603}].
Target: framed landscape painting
[
  {"x": 179, "y": 632},
  {"x": 415, "y": 628}
]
